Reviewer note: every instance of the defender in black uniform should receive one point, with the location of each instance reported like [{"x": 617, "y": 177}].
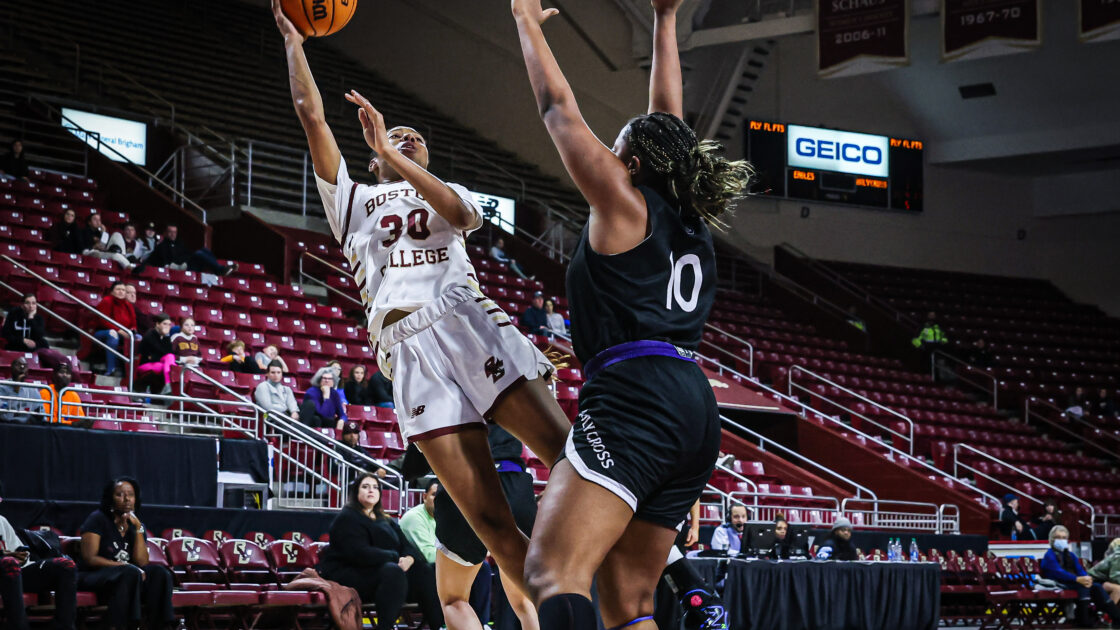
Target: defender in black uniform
[{"x": 640, "y": 286}]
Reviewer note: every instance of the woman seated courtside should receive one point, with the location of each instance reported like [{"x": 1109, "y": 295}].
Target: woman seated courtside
[
  {"x": 369, "y": 553},
  {"x": 114, "y": 562},
  {"x": 782, "y": 538}
]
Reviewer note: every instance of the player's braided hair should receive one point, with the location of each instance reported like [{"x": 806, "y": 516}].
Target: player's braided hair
[{"x": 699, "y": 178}]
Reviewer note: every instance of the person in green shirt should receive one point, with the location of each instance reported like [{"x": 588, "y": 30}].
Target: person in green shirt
[
  {"x": 931, "y": 335},
  {"x": 419, "y": 523}
]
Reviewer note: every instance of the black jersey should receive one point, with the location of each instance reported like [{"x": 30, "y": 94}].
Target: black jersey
[{"x": 662, "y": 289}]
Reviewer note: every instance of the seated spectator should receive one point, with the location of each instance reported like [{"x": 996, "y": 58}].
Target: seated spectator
[
  {"x": 854, "y": 320},
  {"x": 125, "y": 243},
  {"x": 171, "y": 252},
  {"x": 357, "y": 388},
  {"x": 782, "y": 538},
  {"x": 148, "y": 241},
  {"x": 419, "y": 523},
  {"x": 1107, "y": 571},
  {"x": 25, "y": 331},
  {"x": 267, "y": 355},
  {"x": 322, "y": 406},
  {"x": 930, "y": 337},
  {"x": 369, "y": 553},
  {"x": 185, "y": 343},
  {"x": 274, "y": 396},
  {"x": 498, "y": 253},
  {"x": 144, "y": 321},
  {"x": 14, "y": 164},
  {"x": 1062, "y": 566},
  {"x": 534, "y": 320},
  {"x": 351, "y": 438},
  {"x": 555, "y": 320},
  {"x": 116, "y": 307},
  {"x": 838, "y": 545},
  {"x": 114, "y": 562},
  {"x": 729, "y": 536},
  {"x": 71, "y": 405},
  {"x": 25, "y": 568},
  {"x": 237, "y": 361},
  {"x": 156, "y": 356},
  {"x": 66, "y": 235},
  {"x": 336, "y": 367},
  {"x": 980, "y": 354},
  {"x": 1044, "y": 522},
  {"x": 20, "y": 403},
  {"x": 95, "y": 242},
  {"x": 1104, "y": 405},
  {"x": 1078, "y": 405},
  {"x": 1011, "y": 523},
  {"x": 381, "y": 389}
]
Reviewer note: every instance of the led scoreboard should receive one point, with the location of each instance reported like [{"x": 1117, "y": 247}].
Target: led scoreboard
[{"x": 816, "y": 164}]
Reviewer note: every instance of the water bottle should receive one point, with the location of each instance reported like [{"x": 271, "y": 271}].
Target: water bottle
[
  {"x": 890, "y": 550},
  {"x": 898, "y": 550},
  {"x": 915, "y": 554}
]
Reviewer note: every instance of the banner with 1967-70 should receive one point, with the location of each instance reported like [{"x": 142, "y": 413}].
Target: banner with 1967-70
[
  {"x": 971, "y": 29},
  {"x": 1099, "y": 20}
]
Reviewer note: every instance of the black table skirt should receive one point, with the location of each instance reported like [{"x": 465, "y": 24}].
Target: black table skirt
[{"x": 814, "y": 595}]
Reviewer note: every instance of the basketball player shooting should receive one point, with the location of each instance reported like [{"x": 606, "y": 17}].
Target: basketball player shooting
[{"x": 455, "y": 358}]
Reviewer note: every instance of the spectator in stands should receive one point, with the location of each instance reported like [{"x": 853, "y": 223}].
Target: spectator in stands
[
  {"x": 381, "y": 389},
  {"x": 95, "y": 242},
  {"x": 274, "y": 396},
  {"x": 1011, "y": 523},
  {"x": 20, "y": 403},
  {"x": 1078, "y": 404},
  {"x": 116, "y": 307},
  {"x": 171, "y": 252},
  {"x": 1044, "y": 522},
  {"x": 369, "y": 552},
  {"x": 237, "y": 361},
  {"x": 980, "y": 354},
  {"x": 25, "y": 331},
  {"x": 114, "y": 561},
  {"x": 555, "y": 320},
  {"x": 148, "y": 242},
  {"x": 357, "y": 388},
  {"x": 66, "y": 234},
  {"x": 267, "y": 356},
  {"x": 535, "y": 320},
  {"x": 419, "y": 523},
  {"x": 185, "y": 343},
  {"x": 729, "y": 536},
  {"x": 144, "y": 321},
  {"x": 1062, "y": 566},
  {"x": 782, "y": 538},
  {"x": 70, "y": 404},
  {"x": 351, "y": 434},
  {"x": 336, "y": 367},
  {"x": 1104, "y": 405},
  {"x": 1107, "y": 571},
  {"x": 156, "y": 356},
  {"x": 838, "y": 545},
  {"x": 25, "y": 568},
  {"x": 125, "y": 243},
  {"x": 854, "y": 320},
  {"x": 15, "y": 162},
  {"x": 498, "y": 253},
  {"x": 930, "y": 337},
  {"x": 322, "y": 406}
]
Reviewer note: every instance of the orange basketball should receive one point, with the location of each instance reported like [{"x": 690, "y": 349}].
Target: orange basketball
[{"x": 319, "y": 18}]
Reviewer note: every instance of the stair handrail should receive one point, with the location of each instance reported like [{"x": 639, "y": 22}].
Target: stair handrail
[
  {"x": 304, "y": 275},
  {"x": 959, "y": 463},
  {"x": 42, "y": 415},
  {"x": 170, "y": 400},
  {"x": 937, "y": 511},
  {"x": 970, "y": 369},
  {"x": 121, "y": 329},
  {"x": 804, "y": 370},
  {"x": 764, "y": 441},
  {"x": 725, "y": 351},
  {"x": 1028, "y": 413},
  {"x": 738, "y": 477}
]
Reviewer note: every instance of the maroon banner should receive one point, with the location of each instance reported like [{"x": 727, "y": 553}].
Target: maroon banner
[
  {"x": 858, "y": 36},
  {"x": 971, "y": 29},
  {"x": 1100, "y": 20}
]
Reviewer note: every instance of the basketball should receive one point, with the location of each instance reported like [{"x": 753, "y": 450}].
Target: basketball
[{"x": 319, "y": 18}]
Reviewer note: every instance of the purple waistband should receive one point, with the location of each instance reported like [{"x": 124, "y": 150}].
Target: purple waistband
[
  {"x": 633, "y": 350},
  {"x": 508, "y": 465}
]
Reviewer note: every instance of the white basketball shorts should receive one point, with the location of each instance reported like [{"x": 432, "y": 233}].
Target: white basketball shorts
[{"x": 452, "y": 360}]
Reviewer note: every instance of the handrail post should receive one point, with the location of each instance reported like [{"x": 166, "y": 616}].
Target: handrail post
[
  {"x": 249, "y": 177},
  {"x": 303, "y": 186}
]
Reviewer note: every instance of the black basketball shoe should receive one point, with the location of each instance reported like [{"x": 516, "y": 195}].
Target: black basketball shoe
[{"x": 703, "y": 610}]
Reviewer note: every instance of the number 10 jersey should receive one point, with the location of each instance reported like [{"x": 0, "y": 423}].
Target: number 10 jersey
[{"x": 402, "y": 254}]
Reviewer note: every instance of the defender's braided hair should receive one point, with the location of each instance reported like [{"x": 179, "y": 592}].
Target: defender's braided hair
[{"x": 695, "y": 174}]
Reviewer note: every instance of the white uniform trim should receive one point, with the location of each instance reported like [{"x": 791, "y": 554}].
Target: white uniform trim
[
  {"x": 451, "y": 555},
  {"x": 582, "y": 469}
]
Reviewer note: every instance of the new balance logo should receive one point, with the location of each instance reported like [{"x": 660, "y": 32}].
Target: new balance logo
[
  {"x": 416, "y": 411},
  {"x": 495, "y": 369}
]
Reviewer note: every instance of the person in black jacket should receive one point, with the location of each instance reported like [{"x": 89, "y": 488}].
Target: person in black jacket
[
  {"x": 369, "y": 553},
  {"x": 839, "y": 545},
  {"x": 357, "y": 388},
  {"x": 24, "y": 331},
  {"x": 1012, "y": 524},
  {"x": 156, "y": 356},
  {"x": 171, "y": 252},
  {"x": 782, "y": 538},
  {"x": 15, "y": 162},
  {"x": 66, "y": 234}
]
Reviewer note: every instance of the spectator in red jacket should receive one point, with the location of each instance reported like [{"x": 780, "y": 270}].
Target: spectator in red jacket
[{"x": 114, "y": 306}]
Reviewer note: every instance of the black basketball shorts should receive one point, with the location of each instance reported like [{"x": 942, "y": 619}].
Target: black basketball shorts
[
  {"x": 454, "y": 536},
  {"x": 648, "y": 430}
]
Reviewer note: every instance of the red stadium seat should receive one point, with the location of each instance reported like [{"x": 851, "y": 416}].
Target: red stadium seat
[
  {"x": 262, "y": 539},
  {"x": 245, "y": 561},
  {"x": 196, "y": 558}
]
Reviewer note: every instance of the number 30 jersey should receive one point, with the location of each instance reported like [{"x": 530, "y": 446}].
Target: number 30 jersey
[
  {"x": 662, "y": 289},
  {"x": 402, "y": 253}
]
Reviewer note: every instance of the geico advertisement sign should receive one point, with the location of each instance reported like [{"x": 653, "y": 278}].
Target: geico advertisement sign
[
  {"x": 841, "y": 151},
  {"x": 118, "y": 139}
]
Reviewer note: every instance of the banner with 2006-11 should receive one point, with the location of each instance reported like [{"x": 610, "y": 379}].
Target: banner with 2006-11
[
  {"x": 1099, "y": 20},
  {"x": 854, "y": 37},
  {"x": 971, "y": 29}
]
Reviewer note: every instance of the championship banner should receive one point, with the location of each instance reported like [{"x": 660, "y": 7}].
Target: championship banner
[
  {"x": 1099, "y": 20},
  {"x": 971, "y": 29},
  {"x": 854, "y": 38}
]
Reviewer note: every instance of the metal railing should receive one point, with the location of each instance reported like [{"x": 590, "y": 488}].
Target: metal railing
[
  {"x": 122, "y": 331},
  {"x": 908, "y": 515},
  {"x": 959, "y": 463},
  {"x": 1057, "y": 419},
  {"x": 1106, "y": 526},
  {"x": 158, "y": 412},
  {"x": 788, "y": 507},
  {"x": 907, "y": 437},
  {"x": 25, "y": 409},
  {"x": 969, "y": 370},
  {"x": 307, "y": 277},
  {"x": 727, "y": 353}
]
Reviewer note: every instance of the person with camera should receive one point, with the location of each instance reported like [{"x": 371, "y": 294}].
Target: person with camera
[{"x": 24, "y": 569}]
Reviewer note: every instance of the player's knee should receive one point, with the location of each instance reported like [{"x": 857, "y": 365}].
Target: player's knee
[
  {"x": 625, "y": 605},
  {"x": 547, "y": 576}
]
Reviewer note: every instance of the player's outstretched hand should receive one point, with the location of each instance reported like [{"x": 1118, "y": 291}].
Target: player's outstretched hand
[
  {"x": 287, "y": 29},
  {"x": 532, "y": 9},
  {"x": 665, "y": 7},
  {"x": 373, "y": 123}
]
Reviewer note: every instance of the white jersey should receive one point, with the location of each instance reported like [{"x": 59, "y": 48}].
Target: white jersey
[{"x": 402, "y": 253}]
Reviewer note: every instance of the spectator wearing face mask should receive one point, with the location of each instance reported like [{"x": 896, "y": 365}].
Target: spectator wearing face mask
[
  {"x": 729, "y": 536},
  {"x": 1064, "y": 567}
]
